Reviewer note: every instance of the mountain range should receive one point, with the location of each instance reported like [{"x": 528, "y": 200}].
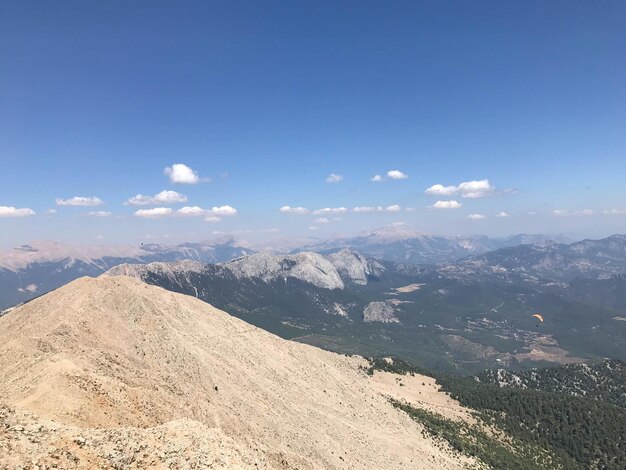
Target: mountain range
[
  {"x": 402, "y": 245},
  {"x": 463, "y": 316},
  {"x": 29, "y": 270}
]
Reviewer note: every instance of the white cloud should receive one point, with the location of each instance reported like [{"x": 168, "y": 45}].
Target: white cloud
[
  {"x": 476, "y": 189},
  {"x": 29, "y": 288},
  {"x": 333, "y": 178},
  {"x": 211, "y": 215},
  {"x": 330, "y": 210},
  {"x": 51, "y": 211},
  {"x": 181, "y": 173},
  {"x": 468, "y": 189},
  {"x": 446, "y": 205},
  {"x": 397, "y": 175},
  {"x": 503, "y": 214},
  {"x": 294, "y": 210},
  {"x": 377, "y": 178},
  {"x": 191, "y": 211},
  {"x": 223, "y": 211},
  {"x": 99, "y": 214},
  {"x": 313, "y": 227},
  {"x": 441, "y": 190},
  {"x": 14, "y": 212},
  {"x": 80, "y": 201},
  {"x": 321, "y": 220},
  {"x": 154, "y": 213},
  {"x": 566, "y": 213},
  {"x": 367, "y": 209},
  {"x": 476, "y": 217},
  {"x": 164, "y": 197},
  {"x": 615, "y": 211}
]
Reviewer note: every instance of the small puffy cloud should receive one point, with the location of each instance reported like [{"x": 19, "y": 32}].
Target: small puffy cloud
[
  {"x": 377, "y": 178},
  {"x": 615, "y": 212},
  {"x": 294, "y": 210},
  {"x": 80, "y": 201},
  {"x": 182, "y": 174},
  {"x": 330, "y": 210},
  {"x": 334, "y": 178},
  {"x": 223, "y": 211},
  {"x": 321, "y": 220},
  {"x": 446, "y": 205},
  {"x": 367, "y": 209},
  {"x": 191, "y": 211},
  {"x": 6, "y": 211},
  {"x": 140, "y": 200},
  {"x": 397, "y": 175},
  {"x": 566, "y": 213},
  {"x": 29, "y": 288},
  {"x": 51, "y": 211},
  {"x": 211, "y": 215},
  {"x": 99, "y": 214},
  {"x": 503, "y": 214},
  {"x": 393, "y": 208},
  {"x": 164, "y": 197},
  {"x": 313, "y": 227},
  {"x": 154, "y": 213},
  {"x": 476, "y": 189},
  {"x": 468, "y": 189},
  {"x": 476, "y": 217},
  {"x": 441, "y": 190}
]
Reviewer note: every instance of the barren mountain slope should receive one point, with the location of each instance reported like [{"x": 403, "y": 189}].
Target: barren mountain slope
[{"x": 114, "y": 372}]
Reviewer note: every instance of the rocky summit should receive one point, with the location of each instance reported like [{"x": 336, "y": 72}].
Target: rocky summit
[{"x": 114, "y": 373}]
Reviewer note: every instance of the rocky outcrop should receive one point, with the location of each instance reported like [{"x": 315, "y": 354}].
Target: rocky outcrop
[{"x": 380, "y": 312}]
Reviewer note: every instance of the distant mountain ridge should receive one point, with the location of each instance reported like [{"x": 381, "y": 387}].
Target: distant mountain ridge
[
  {"x": 30, "y": 270},
  {"x": 589, "y": 259},
  {"x": 403, "y": 245}
]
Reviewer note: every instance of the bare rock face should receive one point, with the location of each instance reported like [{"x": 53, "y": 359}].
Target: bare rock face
[
  {"x": 140, "y": 270},
  {"x": 115, "y": 373},
  {"x": 311, "y": 268},
  {"x": 380, "y": 312},
  {"x": 354, "y": 267}
]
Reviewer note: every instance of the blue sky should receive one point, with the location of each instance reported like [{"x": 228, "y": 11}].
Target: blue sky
[{"x": 266, "y": 99}]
